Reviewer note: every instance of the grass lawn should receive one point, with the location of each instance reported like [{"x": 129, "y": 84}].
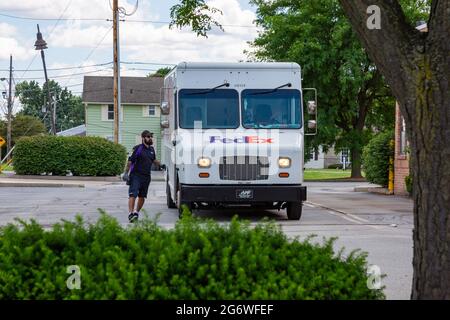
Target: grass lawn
[{"x": 326, "y": 174}]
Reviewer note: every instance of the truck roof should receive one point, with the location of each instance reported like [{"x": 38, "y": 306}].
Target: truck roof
[{"x": 237, "y": 65}]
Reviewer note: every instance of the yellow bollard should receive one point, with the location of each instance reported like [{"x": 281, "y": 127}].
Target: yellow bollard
[{"x": 391, "y": 171}]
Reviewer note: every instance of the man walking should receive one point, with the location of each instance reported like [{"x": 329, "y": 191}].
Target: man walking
[{"x": 138, "y": 174}]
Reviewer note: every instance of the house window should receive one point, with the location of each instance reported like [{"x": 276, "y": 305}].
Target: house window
[
  {"x": 110, "y": 112},
  {"x": 402, "y": 150},
  {"x": 152, "y": 111}
]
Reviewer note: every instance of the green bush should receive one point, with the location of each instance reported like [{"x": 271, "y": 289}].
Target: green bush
[
  {"x": 93, "y": 156},
  {"x": 195, "y": 260},
  {"x": 408, "y": 184},
  {"x": 376, "y": 157}
]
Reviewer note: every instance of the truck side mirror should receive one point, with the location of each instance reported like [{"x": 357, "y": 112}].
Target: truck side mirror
[
  {"x": 165, "y": 109},
  {"x": 312, "y": 124},
  {"x": 164, "y": 124},
  {"x": 312, "y": 107},
  {"x": 310, "y": 119}
]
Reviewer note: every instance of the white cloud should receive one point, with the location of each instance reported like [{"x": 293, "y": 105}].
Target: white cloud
[
  {"x": 156, "y": 42},
  {"x": 10, "y": 45}
]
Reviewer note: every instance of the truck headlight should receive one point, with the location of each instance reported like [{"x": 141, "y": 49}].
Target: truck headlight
[
  {"x": 284, "y": 162},
  {"x": 204, "y": 162}
]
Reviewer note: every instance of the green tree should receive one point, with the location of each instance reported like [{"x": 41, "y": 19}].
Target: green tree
[
  {"x": 316, "y": 34},
  {"x": 69, "y": 108},
  {"x": 161, "y": 72},
  {"x": 22, "y": 126},
  {"x": 416, "y": 66}
]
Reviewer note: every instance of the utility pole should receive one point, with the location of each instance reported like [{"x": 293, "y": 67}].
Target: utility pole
[
  {"x": 117, "y": 100},
  {"x": 9, "y": 115},
  {"x": 40, "y": 44}
]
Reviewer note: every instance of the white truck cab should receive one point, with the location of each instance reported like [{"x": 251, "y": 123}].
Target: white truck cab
[{"x": 233, "y": 135}]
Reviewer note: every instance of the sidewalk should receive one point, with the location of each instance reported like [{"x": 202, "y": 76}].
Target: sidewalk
[{"x": 10, "y": 179}]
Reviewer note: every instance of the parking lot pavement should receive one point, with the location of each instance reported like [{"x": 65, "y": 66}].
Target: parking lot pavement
[{"x": 380, "y": 225}]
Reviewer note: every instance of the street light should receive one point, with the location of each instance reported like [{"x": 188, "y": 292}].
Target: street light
[{"x": 40, "y": 44}]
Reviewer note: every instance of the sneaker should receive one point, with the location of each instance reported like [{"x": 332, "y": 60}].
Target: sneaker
[{"x": 133, "y": 216}]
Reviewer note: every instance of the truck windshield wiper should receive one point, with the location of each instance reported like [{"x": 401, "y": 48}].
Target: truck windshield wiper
[
  {"x": 272, "y": 90},
  {"x": 209, "y": 90}
]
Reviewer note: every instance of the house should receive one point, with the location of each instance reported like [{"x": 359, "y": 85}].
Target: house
[
  {"x": 401, "y": 157},
  {"x": 140, "y": 108},
  {"x": 321, "y": 160}
]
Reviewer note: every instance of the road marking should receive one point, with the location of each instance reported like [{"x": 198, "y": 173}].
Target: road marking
[{"x": 346, "y": 216}]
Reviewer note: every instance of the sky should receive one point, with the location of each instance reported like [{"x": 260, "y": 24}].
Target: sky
[{"x": 84, "y": 43}]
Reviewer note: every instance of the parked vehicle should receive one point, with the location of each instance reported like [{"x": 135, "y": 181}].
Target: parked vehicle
[{"x": 234, "y": 135}]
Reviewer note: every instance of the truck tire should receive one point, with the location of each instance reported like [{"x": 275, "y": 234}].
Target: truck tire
[
  {"x": 170, "y": 203},
  {"x": 180, "y": 203},
  {"x": 294, "y": 210}
]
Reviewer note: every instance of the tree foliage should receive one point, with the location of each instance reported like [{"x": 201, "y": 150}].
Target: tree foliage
[
  {"x": 161, "y": 72},
  {"x": 69, "y": 108},
  {"x": 353, "y": 98},
  {"x": 194, "y": 13},
  {"x": 23, "y": 126}
]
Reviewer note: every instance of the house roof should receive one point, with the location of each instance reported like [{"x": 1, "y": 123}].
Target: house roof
[
  {"x": 133, "y": 89},
  {"x": 75, "y": 131}
]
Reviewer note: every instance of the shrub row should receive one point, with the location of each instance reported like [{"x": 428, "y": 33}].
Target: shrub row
[
  {"x": 94, "y": 156},
  {"x": 195, "y": 260}
]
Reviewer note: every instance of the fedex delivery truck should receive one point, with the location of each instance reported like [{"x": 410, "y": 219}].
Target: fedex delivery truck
[{"x": 233, "y": 135}]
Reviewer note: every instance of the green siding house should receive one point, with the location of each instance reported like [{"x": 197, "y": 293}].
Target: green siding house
[{"x": 140, "y": 108}]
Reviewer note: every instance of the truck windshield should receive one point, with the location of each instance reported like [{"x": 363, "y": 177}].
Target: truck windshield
[
  {"x": 278, "y": 109},
  {"x": 215, "y": 109}
]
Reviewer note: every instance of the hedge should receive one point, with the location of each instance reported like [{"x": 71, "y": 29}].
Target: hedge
[
  {"x": 195, "y": 260},
  {"x": 376, "y": 157},
  {"x": 93, "y": 156}
]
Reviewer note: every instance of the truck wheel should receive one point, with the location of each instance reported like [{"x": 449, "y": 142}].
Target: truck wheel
[
  {"x": 294, "y": 210},
  {"x": 180, "y": 203},
  {"x": 170, "y": 203}
]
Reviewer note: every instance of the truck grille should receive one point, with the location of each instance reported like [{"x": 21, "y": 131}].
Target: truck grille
[{"x": 244, "y": 168}]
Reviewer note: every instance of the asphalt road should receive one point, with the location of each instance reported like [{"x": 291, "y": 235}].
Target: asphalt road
[{"x": 380, "y": 225}]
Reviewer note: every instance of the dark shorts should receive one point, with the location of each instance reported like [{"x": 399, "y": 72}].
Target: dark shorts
[{"x": 138, "y": 186}]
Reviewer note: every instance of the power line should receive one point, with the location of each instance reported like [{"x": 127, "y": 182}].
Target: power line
[
  {"x": 54, "y": 26},
  {"x": 92, "y": 51},
  {"x": 108, "y": 19},
  {"x": 67, "y": 75},
  {"x": 62, "y": 68},
  {"x": 149, "y": 63},
  {"x": 52, "y": 19}
]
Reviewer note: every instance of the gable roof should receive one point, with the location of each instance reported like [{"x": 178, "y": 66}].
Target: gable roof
[{"x": 133, "y": 89}]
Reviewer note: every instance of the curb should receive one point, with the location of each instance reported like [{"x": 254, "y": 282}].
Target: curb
[
  {"x": 377, "y": 190},
  {"x": 67, "y": 178},
  {"x": 38, "y": 184}
]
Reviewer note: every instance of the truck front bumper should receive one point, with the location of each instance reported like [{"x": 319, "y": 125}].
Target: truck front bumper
[{"x": 243, "y": 193}]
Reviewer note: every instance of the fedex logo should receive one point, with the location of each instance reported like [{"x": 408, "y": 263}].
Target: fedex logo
[{"x": 244, "y": 139}]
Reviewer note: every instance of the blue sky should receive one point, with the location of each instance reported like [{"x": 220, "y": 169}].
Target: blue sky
[{"x": 79, "y": 43}]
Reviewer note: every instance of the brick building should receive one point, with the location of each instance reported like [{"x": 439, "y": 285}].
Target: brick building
[{"x": 401, "y": 157}]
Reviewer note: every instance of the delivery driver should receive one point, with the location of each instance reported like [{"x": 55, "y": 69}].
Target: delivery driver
[{"x": 138, "y": 172}]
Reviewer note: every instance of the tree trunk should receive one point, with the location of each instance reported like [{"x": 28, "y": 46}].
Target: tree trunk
[
  {"x": 417, "y": 68},
  {"x": 429, "y": 134},
  {"x": 356, "y": 163}
]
